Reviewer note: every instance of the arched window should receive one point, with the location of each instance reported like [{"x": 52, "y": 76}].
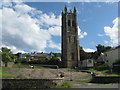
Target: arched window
[{"x": 68, "y": 22}]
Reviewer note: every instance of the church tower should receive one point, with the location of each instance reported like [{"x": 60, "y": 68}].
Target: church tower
[{"x": 70, "y": 43}]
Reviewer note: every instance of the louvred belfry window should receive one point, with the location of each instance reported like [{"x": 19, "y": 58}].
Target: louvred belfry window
[{"x": 68, "y": 22}]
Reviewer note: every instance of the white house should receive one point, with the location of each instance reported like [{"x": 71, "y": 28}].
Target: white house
[
  {"x": 87, "y": 63},
  {"x": 110, "y": 56}
]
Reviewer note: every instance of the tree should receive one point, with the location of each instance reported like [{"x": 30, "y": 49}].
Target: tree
[
  {"x": 102, "y": 48},
  {"x": 54, "y": 61},
  {"x": 84, "y": 55},
  {"x": 6, "y": 55}
]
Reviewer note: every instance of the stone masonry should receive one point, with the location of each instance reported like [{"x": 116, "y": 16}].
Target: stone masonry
[{"x": 70, "y": 43}]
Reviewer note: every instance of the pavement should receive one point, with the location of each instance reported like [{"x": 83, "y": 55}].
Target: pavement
[{"x": 90, "y": 85}]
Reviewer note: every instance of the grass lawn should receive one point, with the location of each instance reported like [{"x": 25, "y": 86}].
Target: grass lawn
[
  {"x": 26, "y": 66},
  {"x": 3, "y": 70},
  {"x": 5, "y": 75}
]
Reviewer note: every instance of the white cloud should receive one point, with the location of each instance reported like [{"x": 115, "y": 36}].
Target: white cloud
[
  {"x": 22, "y": 32},
  {"x": 112, "y": 32},
  {"x": 7, "y": 3},
  {"x": 106, "y": 42},
  {"x": 100, "y": 35},
  {"x": 50, "y": 19},
  {"x": 22, "y": 8},
  {"x": 88, "y": 50},
  {"x": 56, "y": 31},
  {"x": 68, "y": 1},
  {"x": 54, "y": 45},
  {"x": 81, "y": 34},
  {"x": 23, "y": 28}
]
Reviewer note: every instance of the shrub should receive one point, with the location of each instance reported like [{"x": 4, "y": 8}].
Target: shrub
[
  {"x": 103, "y": 67},
  {"x": 117, "y": 62}
]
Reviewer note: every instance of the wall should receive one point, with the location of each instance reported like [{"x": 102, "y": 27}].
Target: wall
[
  {"x": 110, "y": 56},
  {"x": 106, "y": 79},
  {"x": 87, "y": 63},
  {"x": 30, "y": 83}
]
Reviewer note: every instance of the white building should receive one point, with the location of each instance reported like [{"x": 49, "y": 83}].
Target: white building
[
  {"x": 87, "y": 63},
  {"x": 110, "y": 56}
]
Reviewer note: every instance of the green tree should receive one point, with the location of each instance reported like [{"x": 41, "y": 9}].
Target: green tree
[
  {"x": 6, "y": 55},
  {"x": 117, "y": 62},
  {"x": 102, "y": 48},
  {"x": 54, "y": 61}
]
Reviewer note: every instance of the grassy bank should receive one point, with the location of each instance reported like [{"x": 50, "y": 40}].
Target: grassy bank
[{"x": 19, "y": 65}]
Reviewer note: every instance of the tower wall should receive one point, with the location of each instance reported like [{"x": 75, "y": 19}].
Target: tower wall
[{"x": 70, "y": 43}]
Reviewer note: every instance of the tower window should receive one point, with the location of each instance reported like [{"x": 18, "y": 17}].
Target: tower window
[
  {"x": 73, "y": 24},
  {"x": 68, "y": 22}
]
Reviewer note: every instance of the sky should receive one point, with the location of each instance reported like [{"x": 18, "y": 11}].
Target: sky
[{"x": 36, "y": 26}]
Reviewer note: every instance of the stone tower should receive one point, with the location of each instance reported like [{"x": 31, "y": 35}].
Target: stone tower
[{"x": 70, "y": 43}]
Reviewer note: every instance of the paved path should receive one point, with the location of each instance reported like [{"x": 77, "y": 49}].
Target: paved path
[{"x": 90, "y": 85}]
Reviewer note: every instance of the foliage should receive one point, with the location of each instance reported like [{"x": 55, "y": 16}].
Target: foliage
[
  {"x": 23, "y": 60},
  {"x": 6, "y": 55},
  {"x": 117, "y": 62},
  {"x": 54, "y": 61},
  {"x": 57, "y": 54},
  {"x": 102, "y": 67},
  {"x": 84, "y": 55},
  {"x": 18, "y": 54},
  {"x": 102, "y": 48},
  {"x": 49, "y": 61}
]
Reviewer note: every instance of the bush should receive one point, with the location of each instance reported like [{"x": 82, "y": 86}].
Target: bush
[
  {"x": 117, "y": 62},
  {"x": 22, "y": 60},
  {"x": 103, "y": 67},
  {"x": 116, "y": 66},
  {"x": 54, "y": 61}
]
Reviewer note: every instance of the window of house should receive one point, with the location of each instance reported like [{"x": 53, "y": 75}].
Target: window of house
[{"x": 90, "y": 61}]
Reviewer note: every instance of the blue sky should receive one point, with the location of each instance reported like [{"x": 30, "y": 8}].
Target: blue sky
[{"x": 97, "y": 23}]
